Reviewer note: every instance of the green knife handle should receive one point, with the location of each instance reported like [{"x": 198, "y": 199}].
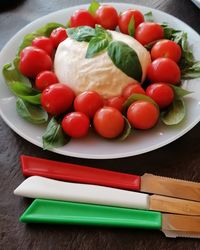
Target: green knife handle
[{"x": 51, "y": 211}]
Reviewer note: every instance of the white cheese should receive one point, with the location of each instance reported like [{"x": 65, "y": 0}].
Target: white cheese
[{"x": 97, "y": 73}]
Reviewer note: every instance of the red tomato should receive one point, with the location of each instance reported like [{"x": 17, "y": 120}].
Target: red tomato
[
  {"x": 82, "y": 18},
  {"x": 44, "y": 43},
  {"x": 166, "y": 48},
  {"x": 58, "y": 35},
  {"x": 108, "y": 122},
  {"x": 44, "y": 79},
  {"x": 125, "y": 17},
  {"x": 161, "y": 93},
  {"x": 148, "y": 32},
  {"x": 88, "y": 102},
  {"x": 164, "y": 70},
  {"x": 116, "y": 102},
  {"x": 57, "y": 98},
  {"x": 34, "y": 60},
  {"x": 107, "y": 17},
  {"x": 142, "y": 114},
  {"x": 132, "y": 88},
  {"x": 76, "y": 124}
]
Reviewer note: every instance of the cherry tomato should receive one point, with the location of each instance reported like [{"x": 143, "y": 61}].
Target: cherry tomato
[
  {"x": 125, "y": 18},
  {"x": 107, "y": 17},
  {"x": 76, "y": 124},
  {"x": 58, "y": 35},
  {"x": 108, "y": 122},
  {"x": 161, "y": 93},
  {"x": 164, "y": 70},
  {"x": 148, "y": 32},
  {"x": 132, "y": 88},
  {"x": 57, "y": 98},
  {"x": 88, "y": 102},
  {"x": 142, "y": 114},
  {"x": 82, "y": 18},
  {"x": 44, "y": 79},
  {"x": 44, "y": 43},
  {"x": 116, "y": 102},
  {"x": 33, "y": 61},
  {"x": 166, "y": 48}
]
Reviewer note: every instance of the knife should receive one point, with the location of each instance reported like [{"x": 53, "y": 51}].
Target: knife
[
  {"x": 147, "y": 183},
  {"x": 41, "y": 187},
  {"x": 60, "y": 212}
]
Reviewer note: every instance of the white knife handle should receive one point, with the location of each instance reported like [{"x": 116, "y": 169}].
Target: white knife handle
[{"x": 41, "y": 187}]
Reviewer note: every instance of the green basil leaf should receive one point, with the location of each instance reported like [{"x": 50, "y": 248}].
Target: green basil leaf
[
  {"x": 191, "y": 72},
  {"x": 68, "y": 23},
  {"x": 31, "y": 113},
  {"x": 126, "y": 131},
  {"x": 11, "y": 73},
  {"x": 179, "y": 92},
  {"x": 43, "y": 31},
  {"x": 99, "y": 42},
  {"x": 168, "y": 31},
  {"x": 54, "y": 135},
  {"x": 131, "y": 27},
  {"x": 135, "y": 97},
  {"x": 126, "y": 59},
  {"x": 82, "y": 33},
  {"x": 94, "y": 5},
  {"x": 25, "y": 92},
  {"x": 148, "y": 17},
  {"x": 175, "y": 113}
]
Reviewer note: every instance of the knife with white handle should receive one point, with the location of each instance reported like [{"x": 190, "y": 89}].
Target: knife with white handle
[{"x": 45, "y": 188}]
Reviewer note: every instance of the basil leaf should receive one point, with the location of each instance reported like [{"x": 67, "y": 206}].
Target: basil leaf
[
  {"x": 136, "y": 97},
  {"x": 126, "y": 59},
  {"x": 131, "y": 27},
  {"x": 94, "y": 5},
  {"x": 43, "y": 31},
  {"x": 179, "y": 92},
  {"x": 54, "y": 135},
  {"x": 11, "y": 73},
  {"x": 148, "y": 17},
  {"x": 175, "y": 113},
  {"x": 25, "y": 92},
  {"x": 191, "y": 72},
  {"x": 126, "y": 131},
  {"x": 68, "y": 23},
  {"x": 31, "y": 113},
  {"x": 82, "y": 33},
  {"x": 98, "y": 43},
  {"x": 168, "y": 31}
]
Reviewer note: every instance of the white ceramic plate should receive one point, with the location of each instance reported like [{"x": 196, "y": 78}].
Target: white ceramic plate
[{"x": 94, "y": 146}]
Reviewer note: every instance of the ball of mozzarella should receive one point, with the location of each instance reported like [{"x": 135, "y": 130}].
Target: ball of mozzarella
[{"x": 97, "y": 73}]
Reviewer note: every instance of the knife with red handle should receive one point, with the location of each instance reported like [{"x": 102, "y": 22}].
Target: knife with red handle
[{"x": 147, "y": 183}]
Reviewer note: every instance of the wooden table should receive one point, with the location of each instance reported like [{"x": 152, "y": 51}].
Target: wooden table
[{"x": 180, "y": 159}]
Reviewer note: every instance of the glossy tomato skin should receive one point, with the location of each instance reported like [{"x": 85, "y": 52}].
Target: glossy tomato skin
[
  {"x": 142, "y": 114},
  {"x": 33, "y": 61},
  {"x": 132, "y": 88},
  {"x": 88, "y": 102},
  {"x": 108, "y": 122},
  {"x": 57, "y": 36},
  {"x": 116, "y": 102},
  {"x": 44, "y": 43},
  {"x": 44, "y": 79},
  {"x": 161, "y": 93},
  {"x": 125, "y": 17},
  {"x": 107, "y": 17},
  {"x": 148, "y": 32},
  {"x": 82, "y": 18},
  {"x": 57, "y": 99},
  {"x": 164, "y": 70},
  {"x": 76, "y": 124},
  {"x": 166, "y": 48}
]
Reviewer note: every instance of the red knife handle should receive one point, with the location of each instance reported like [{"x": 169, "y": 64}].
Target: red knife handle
[{"x": 77, "y": 173}]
